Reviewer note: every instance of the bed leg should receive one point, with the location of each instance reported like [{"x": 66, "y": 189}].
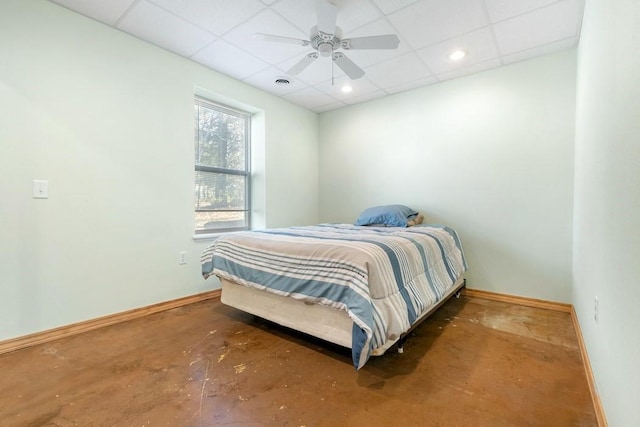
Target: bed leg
[
  {"x": 401, "y": 344},
  {"x": 464, "y": 285}
]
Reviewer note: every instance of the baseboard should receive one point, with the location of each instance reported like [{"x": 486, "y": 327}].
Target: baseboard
[
  {"x": 597, "y": 403},
  {"x": 513, "y": 299},
  {"x": 556, "y": 306},
  {"x": 100, "y": 322}
]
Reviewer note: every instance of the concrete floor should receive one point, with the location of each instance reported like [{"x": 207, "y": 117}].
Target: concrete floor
[{"x": 473, "y": 363}]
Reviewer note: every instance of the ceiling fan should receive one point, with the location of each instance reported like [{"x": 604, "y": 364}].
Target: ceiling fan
[{"x": 326, "y": 40}]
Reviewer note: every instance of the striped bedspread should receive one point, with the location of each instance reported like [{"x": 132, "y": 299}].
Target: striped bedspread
[{"x": 383, "y": 277}]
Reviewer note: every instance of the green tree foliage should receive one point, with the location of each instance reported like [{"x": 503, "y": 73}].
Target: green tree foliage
[{"x": 220, "y": 146}]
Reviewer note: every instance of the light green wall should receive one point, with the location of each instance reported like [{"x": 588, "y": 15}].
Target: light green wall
[
  {"x": 489, "y": 154},
  {"x": 108, "y": 120},
  {"x": 607, "y": 203}
]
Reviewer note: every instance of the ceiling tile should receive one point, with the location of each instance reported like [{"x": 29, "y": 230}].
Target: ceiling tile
[
  {"x": 360, "y": 87},
  {"x": 329, "y": 107},
  {"x": 402, "y": 69},
  {"x": 107, "y": 12},
  {"x": 476, "y": 68},
  {"x": 265, "y": 80},
  {"x": 351, "y": 14},
  {"x": 413, "y": 84},
  {"x": 432, "y": 21},
  {"x": 366, "y": 97},
  {"x": 499, "y": 10},
  {"x": 216, "y": 55},
  {"x": 163, "y": 29},
  {"x": 301, "y": 13},
  {"x": 388, "y": 6},
  {"x": 479, "y": 45},
  {"x": 268, "y": 22},
  {"x": 540, "y": 50},
  {"x": 310, "y": 97},
  {"x": 216, "y": 16},
  {"x": 558, "y": 21},
  {"x": 354, "y": 14}
]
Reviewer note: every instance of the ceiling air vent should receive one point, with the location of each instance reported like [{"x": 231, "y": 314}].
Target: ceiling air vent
[{"x": 283, "y": 81}]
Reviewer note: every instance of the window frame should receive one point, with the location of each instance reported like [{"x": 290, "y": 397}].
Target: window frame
[{"x": 200, "y": 101}]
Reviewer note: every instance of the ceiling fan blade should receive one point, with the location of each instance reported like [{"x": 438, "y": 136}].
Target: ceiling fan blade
[
  {"x": 348, "y": 66},
  {"x": 302, "y": 64},
  {"x": 280, "y": 39},
  {"x": 327, "y": 16},
  {"x": 385, "y": 41}
]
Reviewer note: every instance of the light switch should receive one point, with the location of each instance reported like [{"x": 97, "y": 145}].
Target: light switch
[{"x": 40, "y": 189}]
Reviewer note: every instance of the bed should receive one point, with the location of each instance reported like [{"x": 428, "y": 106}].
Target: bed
[{"x": 361, "y": 287}]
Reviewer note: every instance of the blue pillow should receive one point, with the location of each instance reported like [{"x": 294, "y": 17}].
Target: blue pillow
[{"x": 389, "y": 215}]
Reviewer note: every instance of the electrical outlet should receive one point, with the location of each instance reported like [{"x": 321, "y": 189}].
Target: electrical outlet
[
  {"x": 595, "y": 309},
  {"x": 40, "y": 189},
  {"x": 182, "y": 257}
]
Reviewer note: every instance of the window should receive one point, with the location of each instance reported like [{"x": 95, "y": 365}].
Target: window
[{"x": 222, "y": 175}]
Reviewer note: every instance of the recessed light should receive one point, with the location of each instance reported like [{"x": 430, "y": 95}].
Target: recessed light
[
  {"x": 457, "y": 55},
  {"x": 347, "y": 88}
]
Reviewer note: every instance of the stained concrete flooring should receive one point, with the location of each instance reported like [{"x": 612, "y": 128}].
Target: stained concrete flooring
[{"x": 473, "y": 363}]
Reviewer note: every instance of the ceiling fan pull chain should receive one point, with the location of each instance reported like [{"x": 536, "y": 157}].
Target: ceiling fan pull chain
[{"x": 332, "y": 65}]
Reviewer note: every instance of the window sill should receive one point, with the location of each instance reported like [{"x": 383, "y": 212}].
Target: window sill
[
  {"x": 208, "y": 236},
  {"x": 215, "y": 234}
]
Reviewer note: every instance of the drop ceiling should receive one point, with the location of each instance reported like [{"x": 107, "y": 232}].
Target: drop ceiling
[{"x": 220, "y": 34}]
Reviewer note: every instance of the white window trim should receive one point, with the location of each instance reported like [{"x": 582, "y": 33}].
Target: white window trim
[{"x": 210, "y": 103}]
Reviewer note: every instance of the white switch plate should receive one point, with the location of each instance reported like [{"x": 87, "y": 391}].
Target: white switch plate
[
  {"x": 182, "y": 257},
  {"x": 40, "y": 189}
]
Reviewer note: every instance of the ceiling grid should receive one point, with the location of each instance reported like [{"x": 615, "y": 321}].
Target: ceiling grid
[{"x": 220, "y": 34}]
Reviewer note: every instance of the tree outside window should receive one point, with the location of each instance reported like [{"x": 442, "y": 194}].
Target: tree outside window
[{"x": 222, "y": 175}]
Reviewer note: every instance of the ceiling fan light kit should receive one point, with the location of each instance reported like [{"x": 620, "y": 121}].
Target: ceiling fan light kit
[{"x": 326, "y": 39}]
